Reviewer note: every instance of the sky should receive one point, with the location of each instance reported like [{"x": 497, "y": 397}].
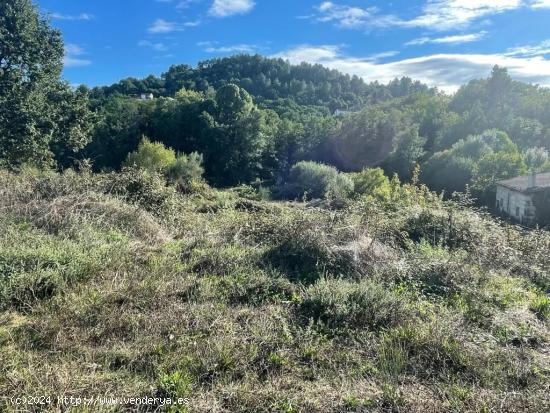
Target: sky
[{"x": 444, "y": 43}]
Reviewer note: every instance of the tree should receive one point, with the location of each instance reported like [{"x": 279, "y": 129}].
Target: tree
[
  {"x": 493, "y": 168},
  {"x": 314, "y": 180},
  {"x": 235, "y": 137},
  {"x": 233, "y": 103},
  {"x": 37, "y": 109},
  {"x": 371, "y": 183},
  {"x": 186, "y": 169},
  {"x": 536, "y": 158},
  {"x": 409, "y": 149},
  {"x": 152, "y": 157}
]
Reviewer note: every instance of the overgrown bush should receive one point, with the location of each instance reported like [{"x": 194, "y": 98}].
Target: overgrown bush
[
  {"x": 311, "y": 180},
  {"x": 342, "y": 305},
  {"x": 181, "y": 169},
  {"x": 372, "y": 183},
  {"x": 306, "y": 248},
  {"x": 151, "y": 156},
  {"x": 185, "y": 170}
]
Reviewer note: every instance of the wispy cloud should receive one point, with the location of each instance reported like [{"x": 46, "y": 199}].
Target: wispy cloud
[
  {"x": 455, "y": 39},
  {"x": 225, "y": 8},
  {"x": 541, "y": 4},
  {"x": 81, "y": 16},
  {"x": 351, "y": 17},
  {"x": 437, "y": 15},
  {"x": 73, "y": 55},
  {"x": 160, "y": 47},
  {"x": 453, "y": 14},
  {"x": 213, "y": 47},
  {"x": 541, "y": 49},
  {"x": 161, "y": 26},
  {"x": 446, "y": 71}
]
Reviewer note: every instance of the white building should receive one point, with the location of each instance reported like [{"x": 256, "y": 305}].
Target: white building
[
  {"x": 525, "y": 199},
  {"x": 146, "y": 96},
  {"x": 341, "y": 112}
]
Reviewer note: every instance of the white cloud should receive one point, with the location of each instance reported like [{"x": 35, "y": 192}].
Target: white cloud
[
  {"x": 452, "y": 14},
  {"x": 161, "y": 47},
  {"x": 350, "y": 17},
  {"x": 541, "y": 4},
  {"x": 455, "y": 39},
  {"x": 161, "y": 26},
  {"x": 73, "y": 55},
  {"x": 211, "y": 47},
  {"x": 194, "y": 23},
  {"x": 82, "y": 16},
  {"x": 184, "y": 4},
  {"x": 446, "y": 71},
  {"x": 225, "y": 8},
  {"x": 541, "y": 49},
  {"x": 437, "y": 15}
]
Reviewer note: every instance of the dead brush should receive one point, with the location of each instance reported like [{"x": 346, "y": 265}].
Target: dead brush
[{"x": 72, "y": 212}]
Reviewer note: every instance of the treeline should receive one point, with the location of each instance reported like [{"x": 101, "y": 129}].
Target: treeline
[
  {"x": 268, "y": 79},
  {"x": 252, "y": 118},
  {"x": 240, "y": 142},
  {"x": 490, "y": 129}
]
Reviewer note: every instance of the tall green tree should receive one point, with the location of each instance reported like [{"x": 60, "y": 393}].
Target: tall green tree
[{"x": 38, "y": 111}]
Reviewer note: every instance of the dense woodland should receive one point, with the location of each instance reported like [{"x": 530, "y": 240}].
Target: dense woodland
[{"x": 252, "y": 118}]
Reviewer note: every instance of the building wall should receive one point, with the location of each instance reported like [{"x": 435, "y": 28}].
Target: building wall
[{"x": 516, "y": 205}]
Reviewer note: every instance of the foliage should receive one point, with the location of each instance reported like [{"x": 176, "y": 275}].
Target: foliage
[
  {"x": 152, "y": 157},
  {"x": 536, "y": 158},
  {"x": 40, "y": 116},
  {"x": 268, "y": 79},
  {"x": 312, "y": 180},
  {"x": 186, "y": 169},
  {"x": 340, "y": 305},
  {"x": 252, "y": 126},
  {"x": 371, "y": 183},
  {"x": 403, "y": 304}
]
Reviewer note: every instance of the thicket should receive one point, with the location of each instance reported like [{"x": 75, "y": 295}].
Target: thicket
[{"x": 118, "y": 283}]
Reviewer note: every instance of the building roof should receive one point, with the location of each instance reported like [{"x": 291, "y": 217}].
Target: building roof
[{"x": 521, "y": 183}]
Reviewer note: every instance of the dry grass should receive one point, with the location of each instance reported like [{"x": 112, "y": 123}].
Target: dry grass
[{"x": 112, "y": 289}]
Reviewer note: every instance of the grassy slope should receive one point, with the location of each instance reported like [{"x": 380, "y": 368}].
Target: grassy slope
[{"x": 115, "y": 285}]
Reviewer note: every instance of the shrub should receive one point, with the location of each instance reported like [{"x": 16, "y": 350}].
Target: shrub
[
  {"x": 138, "y": 186},
  {"x": 314, "y": 180},
  {"x": 34, "y": 266},
  {"x": 306, "y": 249},
  {"x": 341, "y": 305},
  {"x": 151, "y": 156},
  {"x": 341, "y": 187},
  {"x": 371, "y": 182},
  {"x": 186, "y": 169},
  {"x": 255, "y": 289}
]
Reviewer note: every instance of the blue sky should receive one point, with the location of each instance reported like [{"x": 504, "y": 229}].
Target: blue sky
[{"x": 442, "y": 42}]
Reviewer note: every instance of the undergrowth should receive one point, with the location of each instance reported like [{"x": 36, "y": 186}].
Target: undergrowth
[{"x": 118, "y": 285}]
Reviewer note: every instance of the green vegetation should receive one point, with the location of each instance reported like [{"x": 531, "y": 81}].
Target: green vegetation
[
  {"x": 183, "y": 170},
  {"x": 40, "y": 116},
  {"x": 251, "y": 119},
  {"x": 132, "y": 276},
  {"x": 118, "y": 284},
  {"x": 310, "y": 180}
]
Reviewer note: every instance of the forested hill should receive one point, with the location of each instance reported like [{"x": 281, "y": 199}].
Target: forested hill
[
  {"x": 268, "y": 79},
  {"x": 250, "y": 119}
]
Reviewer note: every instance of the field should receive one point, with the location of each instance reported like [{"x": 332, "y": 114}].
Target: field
[{"x": 118, "y": 285}]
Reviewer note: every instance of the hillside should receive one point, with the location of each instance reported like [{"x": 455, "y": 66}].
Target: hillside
[
  {"x": 118, "y": 285},
  {"x": 268, "y": 79}
]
